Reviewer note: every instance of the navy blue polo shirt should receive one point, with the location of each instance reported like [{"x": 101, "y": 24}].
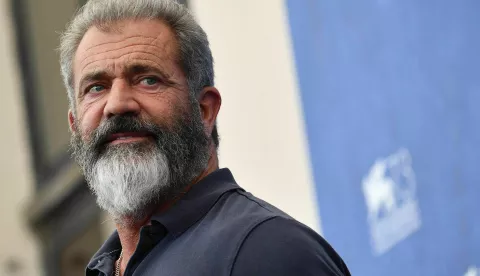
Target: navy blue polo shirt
[{"x": 218, "y": 229}]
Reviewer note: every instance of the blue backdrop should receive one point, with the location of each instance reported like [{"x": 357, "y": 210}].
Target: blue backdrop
[{"x": 391, "y": 98}]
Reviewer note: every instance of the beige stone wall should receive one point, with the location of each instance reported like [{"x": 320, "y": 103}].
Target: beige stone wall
[
  {"x": 18, "y": 251},
  {"x": 260, "y": 123}
]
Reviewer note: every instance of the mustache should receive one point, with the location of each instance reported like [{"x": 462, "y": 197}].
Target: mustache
[{"x": 122, "y": 123}]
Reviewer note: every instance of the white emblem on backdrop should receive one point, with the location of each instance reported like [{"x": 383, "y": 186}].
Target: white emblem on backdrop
[
  {"x": 472, "y": 271},
  {"x": 390, "y": 195}
]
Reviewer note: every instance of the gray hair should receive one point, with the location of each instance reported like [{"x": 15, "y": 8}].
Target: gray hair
[{"x": 195, "y": 56}]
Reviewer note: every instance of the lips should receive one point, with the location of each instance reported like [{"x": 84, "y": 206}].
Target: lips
[{"x": 124, "y": 137}]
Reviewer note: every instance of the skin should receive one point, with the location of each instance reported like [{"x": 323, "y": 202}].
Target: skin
[{"x": 134, "y": 70}]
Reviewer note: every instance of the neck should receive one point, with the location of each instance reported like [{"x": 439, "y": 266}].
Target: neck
[{"x": 129, "y": 230}]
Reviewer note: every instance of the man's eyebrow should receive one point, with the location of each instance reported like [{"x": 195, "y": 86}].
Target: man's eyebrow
[
  {"x": 93, "y": 76},
  {"x": 138, "y": 68}
]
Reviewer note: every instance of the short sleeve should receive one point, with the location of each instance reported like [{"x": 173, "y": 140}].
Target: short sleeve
[{"x": 284, "y": 247}]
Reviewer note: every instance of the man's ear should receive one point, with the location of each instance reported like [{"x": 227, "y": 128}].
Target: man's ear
[
  {"x": 210, "y": 102},
  {"x": 71, "y": 121}
]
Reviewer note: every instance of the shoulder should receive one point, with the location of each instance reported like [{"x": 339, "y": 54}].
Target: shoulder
[
  {"x": 280, "y": 246},
  {"x": 239, "y": 208}
]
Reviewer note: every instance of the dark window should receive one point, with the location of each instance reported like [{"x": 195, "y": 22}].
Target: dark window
[{"x": 38, "y": 24}]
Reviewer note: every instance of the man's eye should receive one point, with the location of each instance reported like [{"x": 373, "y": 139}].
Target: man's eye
[
  {"x": 149, "y": 81},
  {"x": 96, "y": 89}
]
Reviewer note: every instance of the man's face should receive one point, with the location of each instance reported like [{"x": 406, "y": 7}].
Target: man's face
[
  {"x": 132, "y": 68},
  {"x": 137, "y": 133}
]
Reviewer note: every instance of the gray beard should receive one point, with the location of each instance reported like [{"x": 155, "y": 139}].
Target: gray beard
[
  {"x": 127, "y": 178},
  {"x": 131, "y": 180}
]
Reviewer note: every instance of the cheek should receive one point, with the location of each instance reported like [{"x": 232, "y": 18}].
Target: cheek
[
  {"x": 162, "y": 110},
  {"x": 90, "y": 117}
]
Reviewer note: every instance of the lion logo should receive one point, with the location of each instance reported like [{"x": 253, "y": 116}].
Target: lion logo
[{"x": 389, "y": 189}]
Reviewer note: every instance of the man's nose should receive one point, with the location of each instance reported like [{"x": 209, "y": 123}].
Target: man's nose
[{"x": 121, "y": 100}]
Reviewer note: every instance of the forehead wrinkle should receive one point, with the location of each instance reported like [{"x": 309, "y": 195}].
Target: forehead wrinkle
[
  {"x": 121, "y": 44},
  {"x": 129, "y": 63},
  {"x": 121, "y": 40},
  {"x": 128, "y": 55},
  {"x": 153, "y": 52},
  {"x": 153, "y": 40}
]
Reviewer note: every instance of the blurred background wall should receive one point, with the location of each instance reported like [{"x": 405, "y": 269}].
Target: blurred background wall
[
  {"x": 337, "y": 113},
  {"x": 19, "y": 251},
  {"x": 262, "y": 130}
]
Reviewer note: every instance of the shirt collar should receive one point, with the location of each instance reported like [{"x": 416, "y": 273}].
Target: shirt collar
[
  {"x": 105, "y": 257},
  {"x": 196, "y": 202}
]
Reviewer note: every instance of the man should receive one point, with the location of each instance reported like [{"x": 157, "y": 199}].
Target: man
[{"x": 143, "y": 108}]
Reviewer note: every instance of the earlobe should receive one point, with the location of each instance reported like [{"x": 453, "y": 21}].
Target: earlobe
[{"x": 71, "y": 121}]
